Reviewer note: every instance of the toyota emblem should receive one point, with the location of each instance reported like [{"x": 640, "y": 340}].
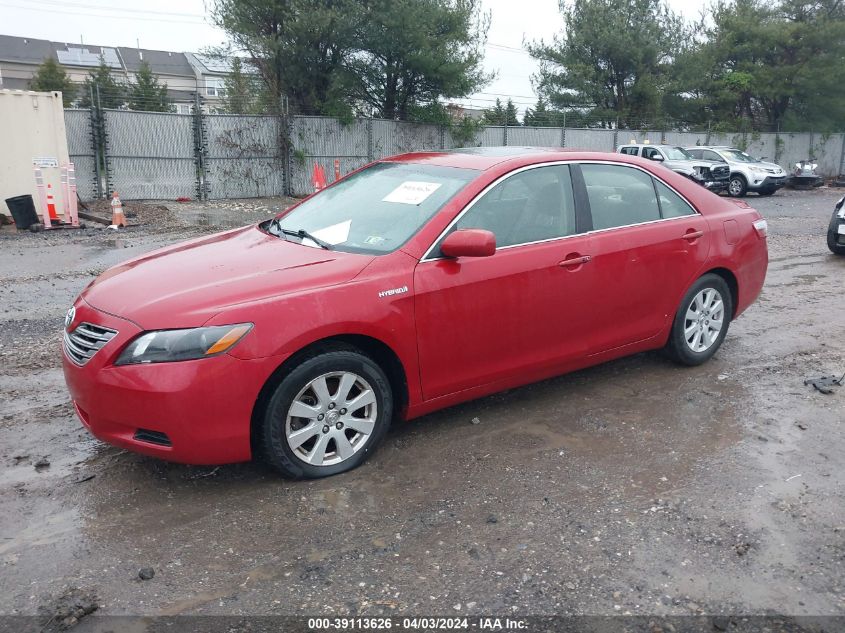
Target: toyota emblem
[{"x": 69, "y": 317}]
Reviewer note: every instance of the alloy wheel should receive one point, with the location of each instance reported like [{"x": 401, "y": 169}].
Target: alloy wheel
[
  {"x": 735, "y": 187},
  {"x": 331, "y": 418},
  {"x": 704, "y": 320}
]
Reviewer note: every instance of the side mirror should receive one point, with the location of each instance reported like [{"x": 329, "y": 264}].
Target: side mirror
[
  {"x": 657, "y": 157},
  {"x": 469, "y": 243}
]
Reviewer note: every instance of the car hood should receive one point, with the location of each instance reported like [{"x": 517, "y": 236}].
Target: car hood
[
  {"x": 693, "y": 163},
  {"x": 186, "y": 284},
  {"x": 774, "y": 167}
]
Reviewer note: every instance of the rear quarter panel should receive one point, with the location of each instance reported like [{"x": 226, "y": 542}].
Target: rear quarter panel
[{"x": 737, "y": 247}]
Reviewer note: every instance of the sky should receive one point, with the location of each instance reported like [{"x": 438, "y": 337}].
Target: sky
[{"x": 181, "y": 25}]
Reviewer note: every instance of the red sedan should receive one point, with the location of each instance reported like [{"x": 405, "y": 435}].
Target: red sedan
[{"x": 415, "y": 283}]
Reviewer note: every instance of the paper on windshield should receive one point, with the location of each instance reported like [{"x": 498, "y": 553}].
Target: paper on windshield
[
  {"x": 334, "y": 234},
  {"x": 412, "y": 192}
]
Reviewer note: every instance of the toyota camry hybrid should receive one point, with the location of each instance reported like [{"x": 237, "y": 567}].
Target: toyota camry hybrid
[{"x": 415, "y": 283}]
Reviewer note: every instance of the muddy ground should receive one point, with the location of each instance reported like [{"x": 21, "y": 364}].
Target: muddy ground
[{"x": 634, "y": 487}]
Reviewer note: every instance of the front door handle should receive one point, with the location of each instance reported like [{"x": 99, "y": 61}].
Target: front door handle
[
  {"x": 692, "y": 235},
  {"x": 575, "y": 260}
]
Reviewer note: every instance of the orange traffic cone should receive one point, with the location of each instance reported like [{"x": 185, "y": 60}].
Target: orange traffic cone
[
  {"x": 118, "y": 219},
  {"x": 51, "y": 204},
  {"x": 318, "y": 178}
]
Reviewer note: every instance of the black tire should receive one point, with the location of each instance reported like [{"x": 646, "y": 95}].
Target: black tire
[
  {"x": 836, "y": 249},
  {"x": 272, "y": 442},
  {"x": 737, "y": 186},
  {"x": 678, "y": 349}
]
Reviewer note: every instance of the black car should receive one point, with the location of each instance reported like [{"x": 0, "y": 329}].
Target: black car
[{"x": 836, "y": 230}]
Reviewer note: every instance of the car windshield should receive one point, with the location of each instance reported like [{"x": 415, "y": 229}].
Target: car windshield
[
  {"x": 376, "y": 210},
  {"x": 677, "y": 153},
  {"x": 739, "y": 156}
]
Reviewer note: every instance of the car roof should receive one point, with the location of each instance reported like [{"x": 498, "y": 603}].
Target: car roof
[{"x": 484, "y": 158}]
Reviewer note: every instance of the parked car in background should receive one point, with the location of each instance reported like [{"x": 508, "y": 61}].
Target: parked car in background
[
  {"x": 712, "y": 174},
  {"x": 747, "y": 172},
  {"x": 836, "y": 230},
  {"x": 413, "y": 284}
]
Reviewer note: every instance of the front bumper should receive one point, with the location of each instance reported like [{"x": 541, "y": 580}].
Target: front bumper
[
  {"x": 194, "y": 412},
  {"x": 836, "y": 231},
  {"x": 716, "y": 185},
  {"x": 769, "y": 183}
]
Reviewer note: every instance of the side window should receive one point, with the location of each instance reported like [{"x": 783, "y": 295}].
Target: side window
[
  {"x": 619, "y": 195},
  {"x": 671, "y": 204},
  {"x": 711, "y": 155},
  {"x": 630, "y": 151},
  {"x": 696, "y": 153},
  {"x": 533, "y": 205}
]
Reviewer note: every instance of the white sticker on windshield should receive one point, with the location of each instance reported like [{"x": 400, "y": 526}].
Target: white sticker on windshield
[
  {"x": 334, "y": 234},
  {"x": 412, "y": 192}
]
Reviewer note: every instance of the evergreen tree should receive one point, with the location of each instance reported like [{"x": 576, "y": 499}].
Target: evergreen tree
[
  {"x": 500, "y": 114},
  {"x": 412, "y": 53},
  {"x": 100, "y": 81},
  {"x": 510, "y": 114},
  {"x": 146, "y": 93},
  {"x": 49, "y": 77},
  {"x": 615, "y": 57},
  {"x": 541, "y": 116},
  {"x": 243, "y": 91}
]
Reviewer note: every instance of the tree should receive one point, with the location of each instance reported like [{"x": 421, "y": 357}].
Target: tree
[
  {"x": 146, "y": 93},
  {"x": 50, "y": 76},
  {"x": 414, "y": 52},
  {"x": 539, "y": 115},
  {"x": 300, "y": 48},
  {"x": 614, "y": 57},
  {"x": 101, "y": 84},
  {"x": 500, "y": 114},
  {"x": 771, "y": 65},
  {"x": 242, "y": 94}
]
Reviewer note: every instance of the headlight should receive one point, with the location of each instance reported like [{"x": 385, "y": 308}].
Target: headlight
[
  {"x": 757, "y": 170},
  {"x": 165, "y": 346}
]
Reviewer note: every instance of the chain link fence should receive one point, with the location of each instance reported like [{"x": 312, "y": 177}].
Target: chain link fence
[
  {"x": 150, "y": 155},
  {"x": 81, "y": 152},
  {"x": 153, "y": 155}
]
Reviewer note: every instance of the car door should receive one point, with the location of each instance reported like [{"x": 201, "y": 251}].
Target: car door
[
  {"x": 647, "y": 246},
  {"x": 480, "y": 320}
]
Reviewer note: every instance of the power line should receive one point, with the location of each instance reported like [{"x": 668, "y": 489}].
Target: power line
[
  {"x": 98, "y": 7},
  {"x": 85, "y": 13}
]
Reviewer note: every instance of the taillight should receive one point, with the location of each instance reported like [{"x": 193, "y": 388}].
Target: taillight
[{"x": 762, "y": 227}]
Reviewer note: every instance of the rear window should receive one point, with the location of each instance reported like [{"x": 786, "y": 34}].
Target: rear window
[{"x": 619, "y": 196}]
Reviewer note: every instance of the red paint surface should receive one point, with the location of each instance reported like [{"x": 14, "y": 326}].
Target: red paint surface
[{"x": 465, "y": 328}]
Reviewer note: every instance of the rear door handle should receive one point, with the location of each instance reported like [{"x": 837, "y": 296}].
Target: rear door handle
[
  {"x": 693, "y": 235},
  {"x": 575, "y": 261}
]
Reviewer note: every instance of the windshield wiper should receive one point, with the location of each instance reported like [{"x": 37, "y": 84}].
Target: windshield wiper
[{"x": 303, "y": 235}]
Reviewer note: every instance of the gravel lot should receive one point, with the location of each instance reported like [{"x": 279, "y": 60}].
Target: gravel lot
[{"x": 634, "y": 487}]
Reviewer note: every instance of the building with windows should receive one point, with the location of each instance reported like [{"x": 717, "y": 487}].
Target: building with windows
[{"x": 185, "y": 74}]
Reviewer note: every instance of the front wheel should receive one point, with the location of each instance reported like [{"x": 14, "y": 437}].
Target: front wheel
[
  {"x": 326, "y": 416},
  {"x": 737, "y": 186},
  {"x": 701, "y": 321}
]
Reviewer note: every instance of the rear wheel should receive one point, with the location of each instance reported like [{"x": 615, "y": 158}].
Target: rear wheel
[
  {"x": 737, "y": 186},
  {"x": 701, "y": 321},
  {"x": 326, "y": 416}
]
